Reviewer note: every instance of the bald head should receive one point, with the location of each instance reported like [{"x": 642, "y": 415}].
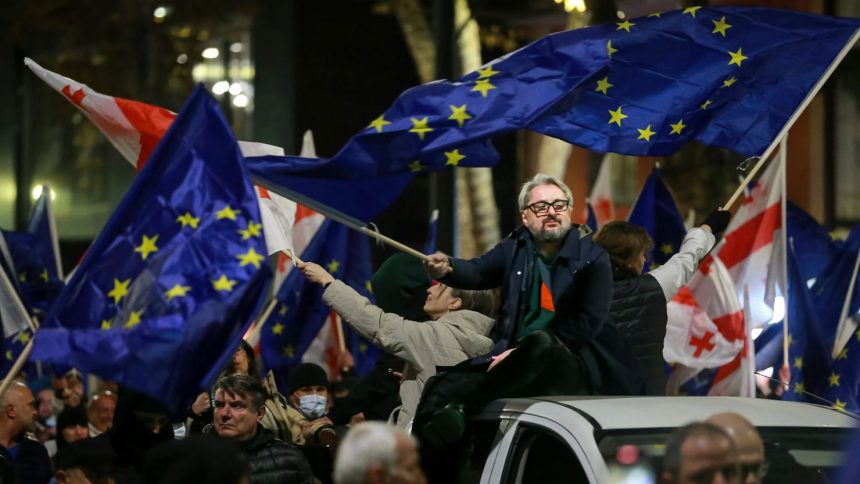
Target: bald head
[
  {"x": 747, "y": 440},
  {"x": 18, "y": 408}
]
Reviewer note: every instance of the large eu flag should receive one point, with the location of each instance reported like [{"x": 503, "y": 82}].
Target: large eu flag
[
  {"x": 300, "y": 312},
  {"x": 15, "y": 322},
  {"x": 165, "y": 292},
  {"x": 656, "y": 212},
  {"x": 728, "y": 77}
]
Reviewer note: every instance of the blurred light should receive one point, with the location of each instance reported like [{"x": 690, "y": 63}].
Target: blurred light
[
  {"x": 37, "y": 192},
  {"x": 573, "y": 5},
  {"x": 235, "y": 89},
  {"x": 778, "y": 310},
  {"x": 811, "y": 282},
  {"x": 220, "y": 87},
  {"x": 756, "y": 331},
  {"x": 210, "y": 53},
  {"x": 240, "y": 101},
  {"x": 236, "y": 47},
  {"x": 620, "y": 14},
  {"x": 181, "y": 59},
  {"x": 159, "y": 13}
]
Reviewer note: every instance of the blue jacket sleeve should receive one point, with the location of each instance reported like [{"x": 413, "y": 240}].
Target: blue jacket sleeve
[
  {"x": 594, "y": 298},
  {"x": 483, "y": 272}
]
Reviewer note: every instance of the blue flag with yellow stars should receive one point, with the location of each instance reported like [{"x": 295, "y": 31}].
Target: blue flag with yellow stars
[
  {"x": 842, "y": 384},
  {"x": 32, "y": 258},
  {"x": 729, "y": 77},
  {"x": 15, "y": 322},
  {"x": 167, "y": 289},
  {"x": 655, "y": 211},
  {"x": 812, "y": 243},
  {"x": 300, "y": 312}
]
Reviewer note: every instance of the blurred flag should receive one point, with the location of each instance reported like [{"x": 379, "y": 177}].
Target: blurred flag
[
  {"x": 837, "y": 294},
  {"x": 753, "y": 246},
  {"x": 600, "y": 199},
  {"x": 300, "y": 313},
  {"x": 655, "y": 211},
  {"x": 135, "y": 128},
  {"x": 430, "y": 245},
  {"x": 32, "y": 258},
  {"x": 842, "y": 384},
  {"x": 591, "y": 221},
  {"x": 813, "y": 244},
  {"x": 163, "y": 296},
  {"x": 737, "y": 377},
  {"x": 17, "y": 327}
]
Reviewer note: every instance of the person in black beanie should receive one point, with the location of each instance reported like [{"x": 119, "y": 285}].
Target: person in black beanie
[
  {"x": 87, "y": 460},
  {"x": 71, "y": 426}
]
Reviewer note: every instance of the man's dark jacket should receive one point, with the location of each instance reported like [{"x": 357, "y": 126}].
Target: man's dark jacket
[
  {"x": 581, "y": 285},
  {"x": 275, "y": 461}
]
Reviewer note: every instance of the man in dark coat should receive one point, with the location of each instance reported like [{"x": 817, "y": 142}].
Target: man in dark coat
[{"x": 239, "y": 407}]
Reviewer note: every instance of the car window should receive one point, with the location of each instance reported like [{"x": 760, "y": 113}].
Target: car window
[{"x": 542, "y": 457}]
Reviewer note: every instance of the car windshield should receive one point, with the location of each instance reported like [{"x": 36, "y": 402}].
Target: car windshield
[{"x": 789, "y": 451}]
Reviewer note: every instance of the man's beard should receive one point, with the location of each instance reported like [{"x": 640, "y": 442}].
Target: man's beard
[{"x": 551, "y": 235}]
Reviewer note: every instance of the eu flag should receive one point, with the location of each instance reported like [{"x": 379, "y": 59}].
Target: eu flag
[
  {"x": 300, "y": 312},
  {"x": 15, "y": 322},
  {"x": 831, "y": 287},
  {"x": 812, "y": 243},
  {"x": 656, "y": 212},
  {"x": 165, "y": 292}
]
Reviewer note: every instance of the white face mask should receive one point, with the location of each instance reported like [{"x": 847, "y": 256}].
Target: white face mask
[{"x": 313, "y": 406}]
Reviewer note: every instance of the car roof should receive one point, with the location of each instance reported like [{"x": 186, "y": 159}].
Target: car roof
[{"x": 613, "y": 413}]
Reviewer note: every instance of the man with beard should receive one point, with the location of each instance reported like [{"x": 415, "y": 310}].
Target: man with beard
[
  {"x": 554, "y": 319},
  {"x": 30, "y": 461}
]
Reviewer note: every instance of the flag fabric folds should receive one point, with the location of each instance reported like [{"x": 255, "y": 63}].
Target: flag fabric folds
[
  {"x": 165, "y": 292},
  {"x": 17, "y": 329},
  {"x": 737, "y": 377},
  {"x": 813, "y": 245},
  {"x": 656, "y": 212}
]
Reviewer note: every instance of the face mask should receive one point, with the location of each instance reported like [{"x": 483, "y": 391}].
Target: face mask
[{"x": 313, "y": 406}]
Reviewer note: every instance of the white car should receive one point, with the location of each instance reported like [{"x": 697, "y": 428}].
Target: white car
[{"x": 565, "y": 439}]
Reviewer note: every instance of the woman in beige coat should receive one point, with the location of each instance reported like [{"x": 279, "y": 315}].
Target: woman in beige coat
[{"x": 459, "y": 330}]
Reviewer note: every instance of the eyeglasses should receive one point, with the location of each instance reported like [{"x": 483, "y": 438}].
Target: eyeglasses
[{"x": 542, "y": 208}]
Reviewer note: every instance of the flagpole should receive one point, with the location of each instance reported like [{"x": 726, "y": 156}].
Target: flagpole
[
  {"x": 783, "y": 159},
  {"x": 788, "y": 124},
  {"x": 841, "y": 340},
  {"x": 19, "y": 363},
  {"x": 258, "y": 328}
]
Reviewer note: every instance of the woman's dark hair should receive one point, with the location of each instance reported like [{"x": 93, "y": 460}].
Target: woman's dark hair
[
  {"x": 252, "y": 361},
  {"x": 484, "y": 302},
  {"x": 623, "y": 242}
]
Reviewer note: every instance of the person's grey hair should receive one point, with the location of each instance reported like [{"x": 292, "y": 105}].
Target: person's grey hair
[
  {"x": 538, "y": 180},
  {"x": 244, "y": 386},
  {"x": 366, "y": 445},
  {"x": 672, "y": 457}
]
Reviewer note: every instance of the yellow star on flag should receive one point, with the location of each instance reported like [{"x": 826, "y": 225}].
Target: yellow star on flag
[
  {"x": 706, "y": 104},
  {"x": 289, "y": 351},
  {"x": 737, "y": 57},
  {"x": 728, "y": 82},
  {"x": 653, "y": 266},
  {"x": 790, "y": 339},
  {"x": 857, "y": 334},
  {"x": 617, "y": 116},
  {"x": 250, "y": 257},
  {"x": 646, "y": 133},
  {"x": 22, "y": 276},
  {"x": 120, "y": 289},
  {"x": 678, "y": 127},
  {"x": 226, "y": 212},
  {"x": 667, "y": 249},
  {"x": 486, "y": 72},
  {"x": 223, "y": 283},
  {"x": 253, "y": 230},
  {"x": 379, "y": 123},
  {"x": 283, "y": 310},
  {"x": 278, "y": 328},
  {"x": 839, "y": 405},
  {"x": 625, "y": 25},
  {"x": 133, "y": 319},
  {"x": 419, "y": 127},
  {"x": 843, "y": 355},
  {"x": 368, "y": 286},
  {"x": 833, "y": 379},
  {"x": 799, "y": 388},
  {"x": 362, "y": 347},
  {"x": 654, "y": 15},
  {"x": 44, "y": 275},
  {"x": 415, "y": 166},
  {"x": 188, "y": 220},
  {"x": 453, "y": 157},
  {"x": 692, "y": 11},
  {"x": 106, "y": 324},
  {"x": 798, "y": 362},
  {"x": 609, "y": 49},
  {"x": 482, "y": 86},
  {"x": 9, "y": 355},
  {"x": 603, "y": 85},
  {"x": 177, "y": 290},
  {"x": 24, "y": 337},
  {"x": 720, "y": 26},
  {"x": 459, "y": 114},
  {"x": 147, "y": 246},
  {"x": 333, "y": 266}
]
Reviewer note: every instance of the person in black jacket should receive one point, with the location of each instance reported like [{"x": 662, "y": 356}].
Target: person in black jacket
[
  {"x": 29, "y": 458},
  {"x": 639, "y": 300},
  {"x": 239, "y": 407}
]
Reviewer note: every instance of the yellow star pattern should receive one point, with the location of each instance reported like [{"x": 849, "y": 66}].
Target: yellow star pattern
[
  {"x": 44, "y": 275},
  {"x": 223, "y": 283},
  {"x": 657, "y": 15},
  {"x": 486, "y": 72},
  {"x": 692, "y": 11},
  {"x": 120, "y": 289},
  {"x": 24, "y": 337},
  {"x": 653, "y": 266},
  {"x": 720, "y": 26},
  {"x": 625, "y": 25},
  {"x": 226, "y": 212},
  {"x": 459, "y": 114},
  {"x": 419, "y": 127},
  {"x": 379, "y": 123},
  {"x": 415, "y": 166},
  {"x": 362, "y": 347},
  {"x": 646, "y": 133},
  {"x": 609, "y": 49},
  {"x": 133, "y": 319},
  {"x": 678, "y": 127},
  {"x": 278, "y": 328},
  {"x": 857, "y": 334},
  {"x": 188, "y": 220},
  {"x": 147, "y": 246},
  {"x": 839, "y": 405},
  {"x": 666, "y": 249},
  {"x": 482, "y": 86},
  {"x": 799, "y": 388},
  {"x": 333, "y": 266},
  {"x": 603, "y": 85},
  {"x": 283, "y": 310},
  {"x": 368, "y": 286},
  {"x": 706, "y": 104},
  {"x": 289, "y": 351},
  {"x": 798, "y": 362},
  {"x": 737, "y": 57},
  {"x": 453, "y": 157},
  {"x": 833, "y": 379},
  {"x": 22, "y": 276},
  {"x": 253, "y": 230},
  {"x": 177, "y": 290},
  {"x": 843, "y": 355},
  {"x": 728, "y": 82},
  {"x": 250, "y": 257},
  {"x": 790, "y": 339},
  {"x": 617, "y": 116},
  {"x": 106, "y": 324},
  {"x": 9, "y": 355}
]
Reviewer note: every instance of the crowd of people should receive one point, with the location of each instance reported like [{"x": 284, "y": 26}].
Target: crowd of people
[{"x": 553, "y": 309}]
